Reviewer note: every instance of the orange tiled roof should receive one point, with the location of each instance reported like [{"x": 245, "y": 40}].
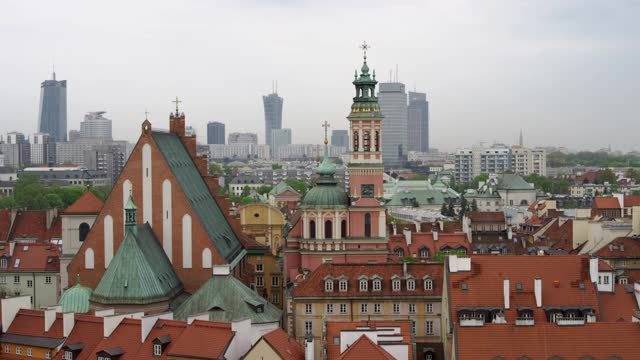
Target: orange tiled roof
[
  {"x": 5, "y": 223},
  {"x": 606, "y": 203},
  {"x": 560, "y": 236},
  {"x": 191, "y": 343},
  {"x": 631, "y": 200},
  {"x": 621, "y": 247},
  {"x": 35, "y": 257},
  {"x": 365, "y": 349},
  {"x": 88, "y": 330},
  {"x": 172, "y": 328},
  {"x": 33, "y": 224},
  {"x": 619, "y": 305},
  {"x": 126, "y": 337},
  {"x": 446, "y": 241},
  {"x": 334, "y": 328},
  {"x": 31, "y": 323},
  {"x": 486, "y": 216},
  {"x": 485, "y": 283},
  {"x": 286, "y": 347},
  {"x": 314, "y": 284},
  {"x": 600, "y": 340},
  {"x": 87, "y": 204}
]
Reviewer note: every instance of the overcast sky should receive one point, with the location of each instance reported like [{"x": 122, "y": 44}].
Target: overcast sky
[{"x": 566, "y": 72}]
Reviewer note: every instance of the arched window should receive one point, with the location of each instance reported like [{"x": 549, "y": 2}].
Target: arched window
[
  {"x": 206, "y": 259},
  {"x": 312, "y": 229},
  {"x": 83, "y": 231},
  {"x": 328, "y": 229},
  {"x": 356, "y": 141},
  {"x": 411, "y": 285},
  {"x": 424, "y": 252},
  {"x": 328, "y": 285},
  {"x": 367, "y": 225},
  {"x": 428, "y": 284},
  {"x": 399, "y": 251},
  {"x": 524, "y": 202},
  {"x": 377, "y": 141},
  {"x": 366, "y": 141},
  {"x": 88, "y": 259},
  {"x": 343, "y": 229}
]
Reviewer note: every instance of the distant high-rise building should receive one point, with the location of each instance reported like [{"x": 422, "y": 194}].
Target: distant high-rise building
[
  {"x": 272, "y": 114},
  {"x": 95, "y": 126},
  {"x": 43, "y": 150},
  {"x": 393, "y": 105},
  {"x": 340, "y": 138},
  {"x": 215, "y": 133},
  {"x": 16, "y": 150},
  {"x": 418, "y": 122},
  {"x": 279, "y": 138},
  {"x": 74, "y": 135},
  {"x": 53, "y": 109},
  {"x": 243, "y": 138}
]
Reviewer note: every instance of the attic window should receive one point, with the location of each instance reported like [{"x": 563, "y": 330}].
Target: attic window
[
  {"x": 464, "y": 286},
  {"x": 25, "y": 248},
  {"x": 17, "y": 263},
  {"x": 519, "y": 286},
  {"x": 581, "y": 285}
]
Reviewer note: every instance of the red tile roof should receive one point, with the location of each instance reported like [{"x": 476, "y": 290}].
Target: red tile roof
[
  {"x": 191, "y": 344},
  {"x": 5, "y": 223},
  {"x": 31, "y": 323},
  {"x": 88, "y": 330},
  {"x": 32, "y": 224},
  {"x": 126, "y": 336},
  {"x": 631, "y": 200},
  {"x": 365, "y": 349},
  {"x": 621, "y": 247},
  {"x": 619, "y": 305},
  {"x": 87, "y": 204},
  {"x": 486, "y": 216},
  {"x": 35, "y": 257},
  {"x": 560, "y": 236},
  {"x": 334, "y": 328},
  {"x": 421, "y": 240},
  {"x": 606, "y": 203},
  {"x": 314, "y": 284},
  {"x": 286, "y": 347},
  {"x": 600, "y": 340},
  {"x": 172, "y": 328},
  {"x": 485, "y": 283}
]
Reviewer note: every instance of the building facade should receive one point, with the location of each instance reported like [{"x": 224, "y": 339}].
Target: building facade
[
  {"x": 279, "y": 137},
  {"x": 215, "y": 132},
  {"x": 525, "y": 161},
  {"x": 272, "y": 115},
  {"x": 53, "y": 109},
  {"x": 340, "y": 138},
  {"x": 243, "y": 138},
  {"x": 43, "y": 150},
  {"x": 418, "y": 122},
  {"x": 393, "y": 105}
]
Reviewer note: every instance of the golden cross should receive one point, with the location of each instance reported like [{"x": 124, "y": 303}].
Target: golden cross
[
  {"x": 364, "y": 47},
  {"x": 176, "y": 101},
  {"x": 326, "y": 129}
]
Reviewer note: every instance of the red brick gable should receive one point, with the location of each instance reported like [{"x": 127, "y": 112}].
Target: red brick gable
[
  {"x": 334, "y": 328},
  {"x": 192, "y": 278},
  {"x": 365, "y": 349},
  {"x": 87, "y": 203}
]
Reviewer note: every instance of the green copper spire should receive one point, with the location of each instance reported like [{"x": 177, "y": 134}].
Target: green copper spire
[
  {"x": 326, "y": 168},
  {"x": 131, "y": 215},
  {"x": 365, "y": 103}
]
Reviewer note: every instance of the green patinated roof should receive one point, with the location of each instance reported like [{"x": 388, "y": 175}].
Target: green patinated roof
[
  {"x": 76, "y": 299},
  {"x": 512, "y": 182},
  {"x": 280, "y": 188},
  {"x": 325, "y": 195},
  {"x": 195, "y": 189},
  {"x": 225, "y": 298},
  {"x": 365, "y": 104},
  {"x": 130, "y": 204},
  {"x": 421, "y": 197},
  {"x": 139, "y": 273}
]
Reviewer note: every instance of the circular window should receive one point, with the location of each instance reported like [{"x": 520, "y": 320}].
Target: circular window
[{"x": 256, "y": 215}]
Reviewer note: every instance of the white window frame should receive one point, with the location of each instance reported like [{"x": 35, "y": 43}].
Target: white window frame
[
  {"x": 259, "y": 268},
  {"x": 29, "y": 352},
  {"x": 157, "y": 350},
  {"x": 364, "y": 308},
  {"x": 377, "y": 308},
  {"x": 308, "y": 327},
  {"x": 411, "y": 285},
  {"x": 308, "y": 308},
  {"x": 396, "y": 308},
  {"x": 343, "y": 308},
  {"x": 260, "y": 281},
  {"x": 29, "y": 283},
  {"x": 7, "y": 349},
  {"x": 328, "y": 308},
  {"x": 275, "y": 297},
  {"x": 328, "y": 285},
  {"x": 396, "y": 285},
  {"x": 275, "y": 281},
  {"x": 428, "y": 284},
  {"x": 428, "y": 328},
  {"x": 18, "y": 350},
  {"x": 47, "y": 355},
  {"x": 429, "y": 308},
  {"x": 47, "y": 280},
  {"x": 412, "y": 308},
  {"x": 343, "y": 285},
  {"x": 16, "y": 279},
  {"x": 377, "y": 285},
  {"x": 364, "y": 285}
]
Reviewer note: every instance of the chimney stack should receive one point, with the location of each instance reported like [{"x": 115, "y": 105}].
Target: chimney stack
[
  {"x": 435, "y": 235},
  {"x": 68, "y": 322},
  {"x": 506, "y": 293},
  {"x": 635, "y": 219},
  {"x": 510, "y": 233},
  {"x": 593, "y": 269},
  {"x": 49, "y": 318},
  {"x": 407, "y": 236},
  {"x": 309, "y": 351},
  {"x": 538, "y": 291}
]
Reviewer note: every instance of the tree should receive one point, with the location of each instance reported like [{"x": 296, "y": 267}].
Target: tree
[
  {"x": 276, "y": 166},
  {"x": 635, "y": 192},
  {"x": 606, "y": 175},
  {"x": 297, "y": 185},
  {"x": 102, "y": 192},
  {"x": 7, "y": 202},
  {"x": 417, "y": 177},
  {"x": 444, "y": 211},
  {"x": 451, "y": 209},
  {"x": 247, "y": 200},
  {"x": 53, "y": 200},
  {"x": 30, "y": 193},
  {"x": 475, "y": 183},
  {"x": 246, "y": 191},
  {"x": 441, "y": 255},
  {"x": 264, "y": 189},
  {"x": 464, "y": 207},
  {"x": 474, "y": 205},
  {"x": 216, "y": 170}
]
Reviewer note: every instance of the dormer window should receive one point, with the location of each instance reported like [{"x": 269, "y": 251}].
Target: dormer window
[
  {"x": 424, "y": 252},
  {"x": 363, "y": 285},
  {"x": 377, "y": 285},
  {"x": 411, "y": 285},
  {"x": 328, "y": 285},
  {"x": 4, "y": 262},
  {"x": 160, "y": 344},
  {"x": 70, "y": 352},
  {"x": 110, "y": 354},
  {"x": 395, "y": 284},
  {"x": 343, "y": 285},
  {"x": 428, "y": 284}
]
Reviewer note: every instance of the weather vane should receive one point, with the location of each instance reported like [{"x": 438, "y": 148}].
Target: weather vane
[
  {"x": 364, "y": 47},
  {"x": 326, "y": 129}
]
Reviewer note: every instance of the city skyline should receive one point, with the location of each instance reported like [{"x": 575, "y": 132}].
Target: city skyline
[{"x": 547, "y": 68}]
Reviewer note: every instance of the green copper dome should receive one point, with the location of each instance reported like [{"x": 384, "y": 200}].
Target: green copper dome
[
  {"x": 326, "y": 192},
  {"x": 76, "y": 299}
]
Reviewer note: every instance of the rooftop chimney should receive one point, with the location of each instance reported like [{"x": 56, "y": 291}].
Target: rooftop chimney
[
  {"x": 308, "y": 347},
  {"x": 68, "y": 322},
  {"x": 49, "y": 318},
  {"x": 538, "y": 291},
  {"x": 635, "y": 219},
  {"x": 435, "y": 235},
  {"x": 407, "y": 236},
  {"x": 510, "y": 233},
  {"x": 506, "y": 293},
  {"x": 593, "y": 269}
]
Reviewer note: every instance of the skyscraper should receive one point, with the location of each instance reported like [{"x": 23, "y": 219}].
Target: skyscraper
[
  {"x": 53, "y": 109},
  {"x": 95, "y": 126},
  {"x": 279, "y": 138},
  {"x": 393, "y": 105},
  {"x": 272, "y": 114},
  {"x": 215, "y": 133},
  {"x": 418, "y": 122},
  {"x": 340, "y": 138}
]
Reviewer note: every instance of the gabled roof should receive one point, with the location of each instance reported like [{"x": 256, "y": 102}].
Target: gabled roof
[
  {"x": 621, "y": 247},
  {"x": 287, "y": 347},
  {"x": 513, "y": 182},
  {"x": 27, "y": 328},
  {"x": 163, "y": 330},
  {"x": 631, "y": 200},
  {"x": 282, "y": 187},
  {"x": 620, "y": 305},
  {"x": 203, "y": 340},
  {"x": 139, "y": 273},
  {"x": 600, "y": 340},
  {"x": 606, "y": 203},
  {"x": 335, "y": 328},
  {"x": 226, "y": 298},
  {"x": 88, "y": 331},
  {"x": 32, "y": 224},
  {"x": 198, "y": 194},
  {"x": 87, "y": 204},
  {"x": 126, "y": 337},
  {"x": 365, "y": 349},
  {"x": 486, "y": 216}
]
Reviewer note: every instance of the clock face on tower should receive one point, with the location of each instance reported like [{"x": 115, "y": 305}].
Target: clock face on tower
[{"x": 367, "y": 190}]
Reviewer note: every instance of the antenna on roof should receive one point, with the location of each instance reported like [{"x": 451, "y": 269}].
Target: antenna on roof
[
  {"x": 54, "y": 71},
  {"x": 276, "y": 87},
  {"x": 397, "y": 73}
]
